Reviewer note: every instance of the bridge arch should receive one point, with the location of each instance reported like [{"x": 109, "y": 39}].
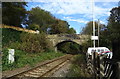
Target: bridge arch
[
  {"x": 64, "y": 41},
  {"x": 59, "y": 39},
  {"x": 74, "y": 47}
]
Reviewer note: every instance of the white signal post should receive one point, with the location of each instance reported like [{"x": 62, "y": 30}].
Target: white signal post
[
  {"x": 11, "y": 56},
  {"x": 98, "y": 31},
  {"x": 94, "y": 37},
  {"x": 93, "y": 23}
]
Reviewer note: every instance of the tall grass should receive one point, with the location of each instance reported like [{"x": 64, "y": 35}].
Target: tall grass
[
  {"x": 23, "y": 58},
  {"x": 78, "y": 68}
]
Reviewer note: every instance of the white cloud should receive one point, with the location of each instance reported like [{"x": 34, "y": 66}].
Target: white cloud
[
  {"x": 70, "y": 7},
  {"x": 106, "y": 0},
  {"x": 84, "y": 21},
  {"x": 76, "y": 20},
  {"x": 81, "y": 7},
  {"x": 103, "y": 22},
  {"x": 66, "y": 7},
  {"x": 101, "y": 11},
  {"x": 71, "y": 0}
]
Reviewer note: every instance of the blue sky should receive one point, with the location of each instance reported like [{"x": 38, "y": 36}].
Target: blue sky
[{"x": 76, "y": 12}]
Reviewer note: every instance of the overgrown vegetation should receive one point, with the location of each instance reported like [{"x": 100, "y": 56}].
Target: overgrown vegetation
[
  {"x": 87, "y": 44},
  {"x": 29, "y": 48},
  {"x": 34, "y": 43},
  {"x": 25, "y": 58},
  {"x": 70, "y": 47},
  {"x": 27, "y": 42},
  {"x": 10, "y": 36},
  {"x": 78, "y": 68}
]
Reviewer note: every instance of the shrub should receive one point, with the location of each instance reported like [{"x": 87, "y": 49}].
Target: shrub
[
  {"x": 34, "y": 42},
  {"x": 10, "y": 36},
  {"x": 25, "y": 41},
  {"x": 15, "y": 45}
]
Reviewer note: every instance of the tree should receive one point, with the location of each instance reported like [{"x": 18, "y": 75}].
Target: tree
[
  {"x": 114, "y": 23},
  {"x": 59, "y": 27},
  {"x": 88, "y": 29},
  {"x": 47, "y": 23},
  {"x": 71, "y": 31},
  {"x": 114, "y": 31},
  {"x": 41, "y": 18},
  {"x": 14, "y": 13},
  {"x": 103, "y": 37}
]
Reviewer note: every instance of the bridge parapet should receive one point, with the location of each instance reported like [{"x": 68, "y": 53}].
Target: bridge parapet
[{"x": 77, "y": 38}]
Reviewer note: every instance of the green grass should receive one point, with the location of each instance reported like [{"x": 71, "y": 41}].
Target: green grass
[
  {"x": 22, "y": 58},
  {"x": 11, "y": 39},
  {"x": 78, "y": 67}
]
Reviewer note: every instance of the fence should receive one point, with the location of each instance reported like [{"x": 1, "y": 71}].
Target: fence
[{"x": 102, "y": 67}]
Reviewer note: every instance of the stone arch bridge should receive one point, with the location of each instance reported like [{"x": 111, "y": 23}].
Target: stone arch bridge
[{"x": 59, "y": 38}]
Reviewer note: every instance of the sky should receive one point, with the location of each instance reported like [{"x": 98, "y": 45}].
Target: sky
[{"x": 77, "y": 12}]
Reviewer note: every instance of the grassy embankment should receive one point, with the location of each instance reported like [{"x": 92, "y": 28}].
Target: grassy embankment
[{"x": 22, "y": 58}]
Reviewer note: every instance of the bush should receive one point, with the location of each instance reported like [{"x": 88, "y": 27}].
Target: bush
[
  {"x": 10, "y": 36},
  {"x": 34, "y": 42},
  {"x": 70, "y": 47},
  {"x": 15, "y": 45},
  {"x": 27, "y": 42}
]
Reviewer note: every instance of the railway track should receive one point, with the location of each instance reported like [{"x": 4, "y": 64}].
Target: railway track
[{"x": 44, "y": 70}]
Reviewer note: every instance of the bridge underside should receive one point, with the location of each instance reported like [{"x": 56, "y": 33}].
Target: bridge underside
[
  {"x": 76, "y": 38},
  {"x": 64, "y": 41},
  {"x": 69, "y": 47}
]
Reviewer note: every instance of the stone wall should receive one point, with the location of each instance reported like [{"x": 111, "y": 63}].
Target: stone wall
[{"x": 18, "y": 29}]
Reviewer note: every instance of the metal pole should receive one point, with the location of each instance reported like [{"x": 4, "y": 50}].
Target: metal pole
[
  {"x": 98, "y": 31},
  {"x": 93, "y": 22}
]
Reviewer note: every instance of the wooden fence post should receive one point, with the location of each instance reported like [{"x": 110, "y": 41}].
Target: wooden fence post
[
  {"x": 104, "y": 67},
  {"x": 98, "y": 66},
  {"x": 94, "y": 64}
]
